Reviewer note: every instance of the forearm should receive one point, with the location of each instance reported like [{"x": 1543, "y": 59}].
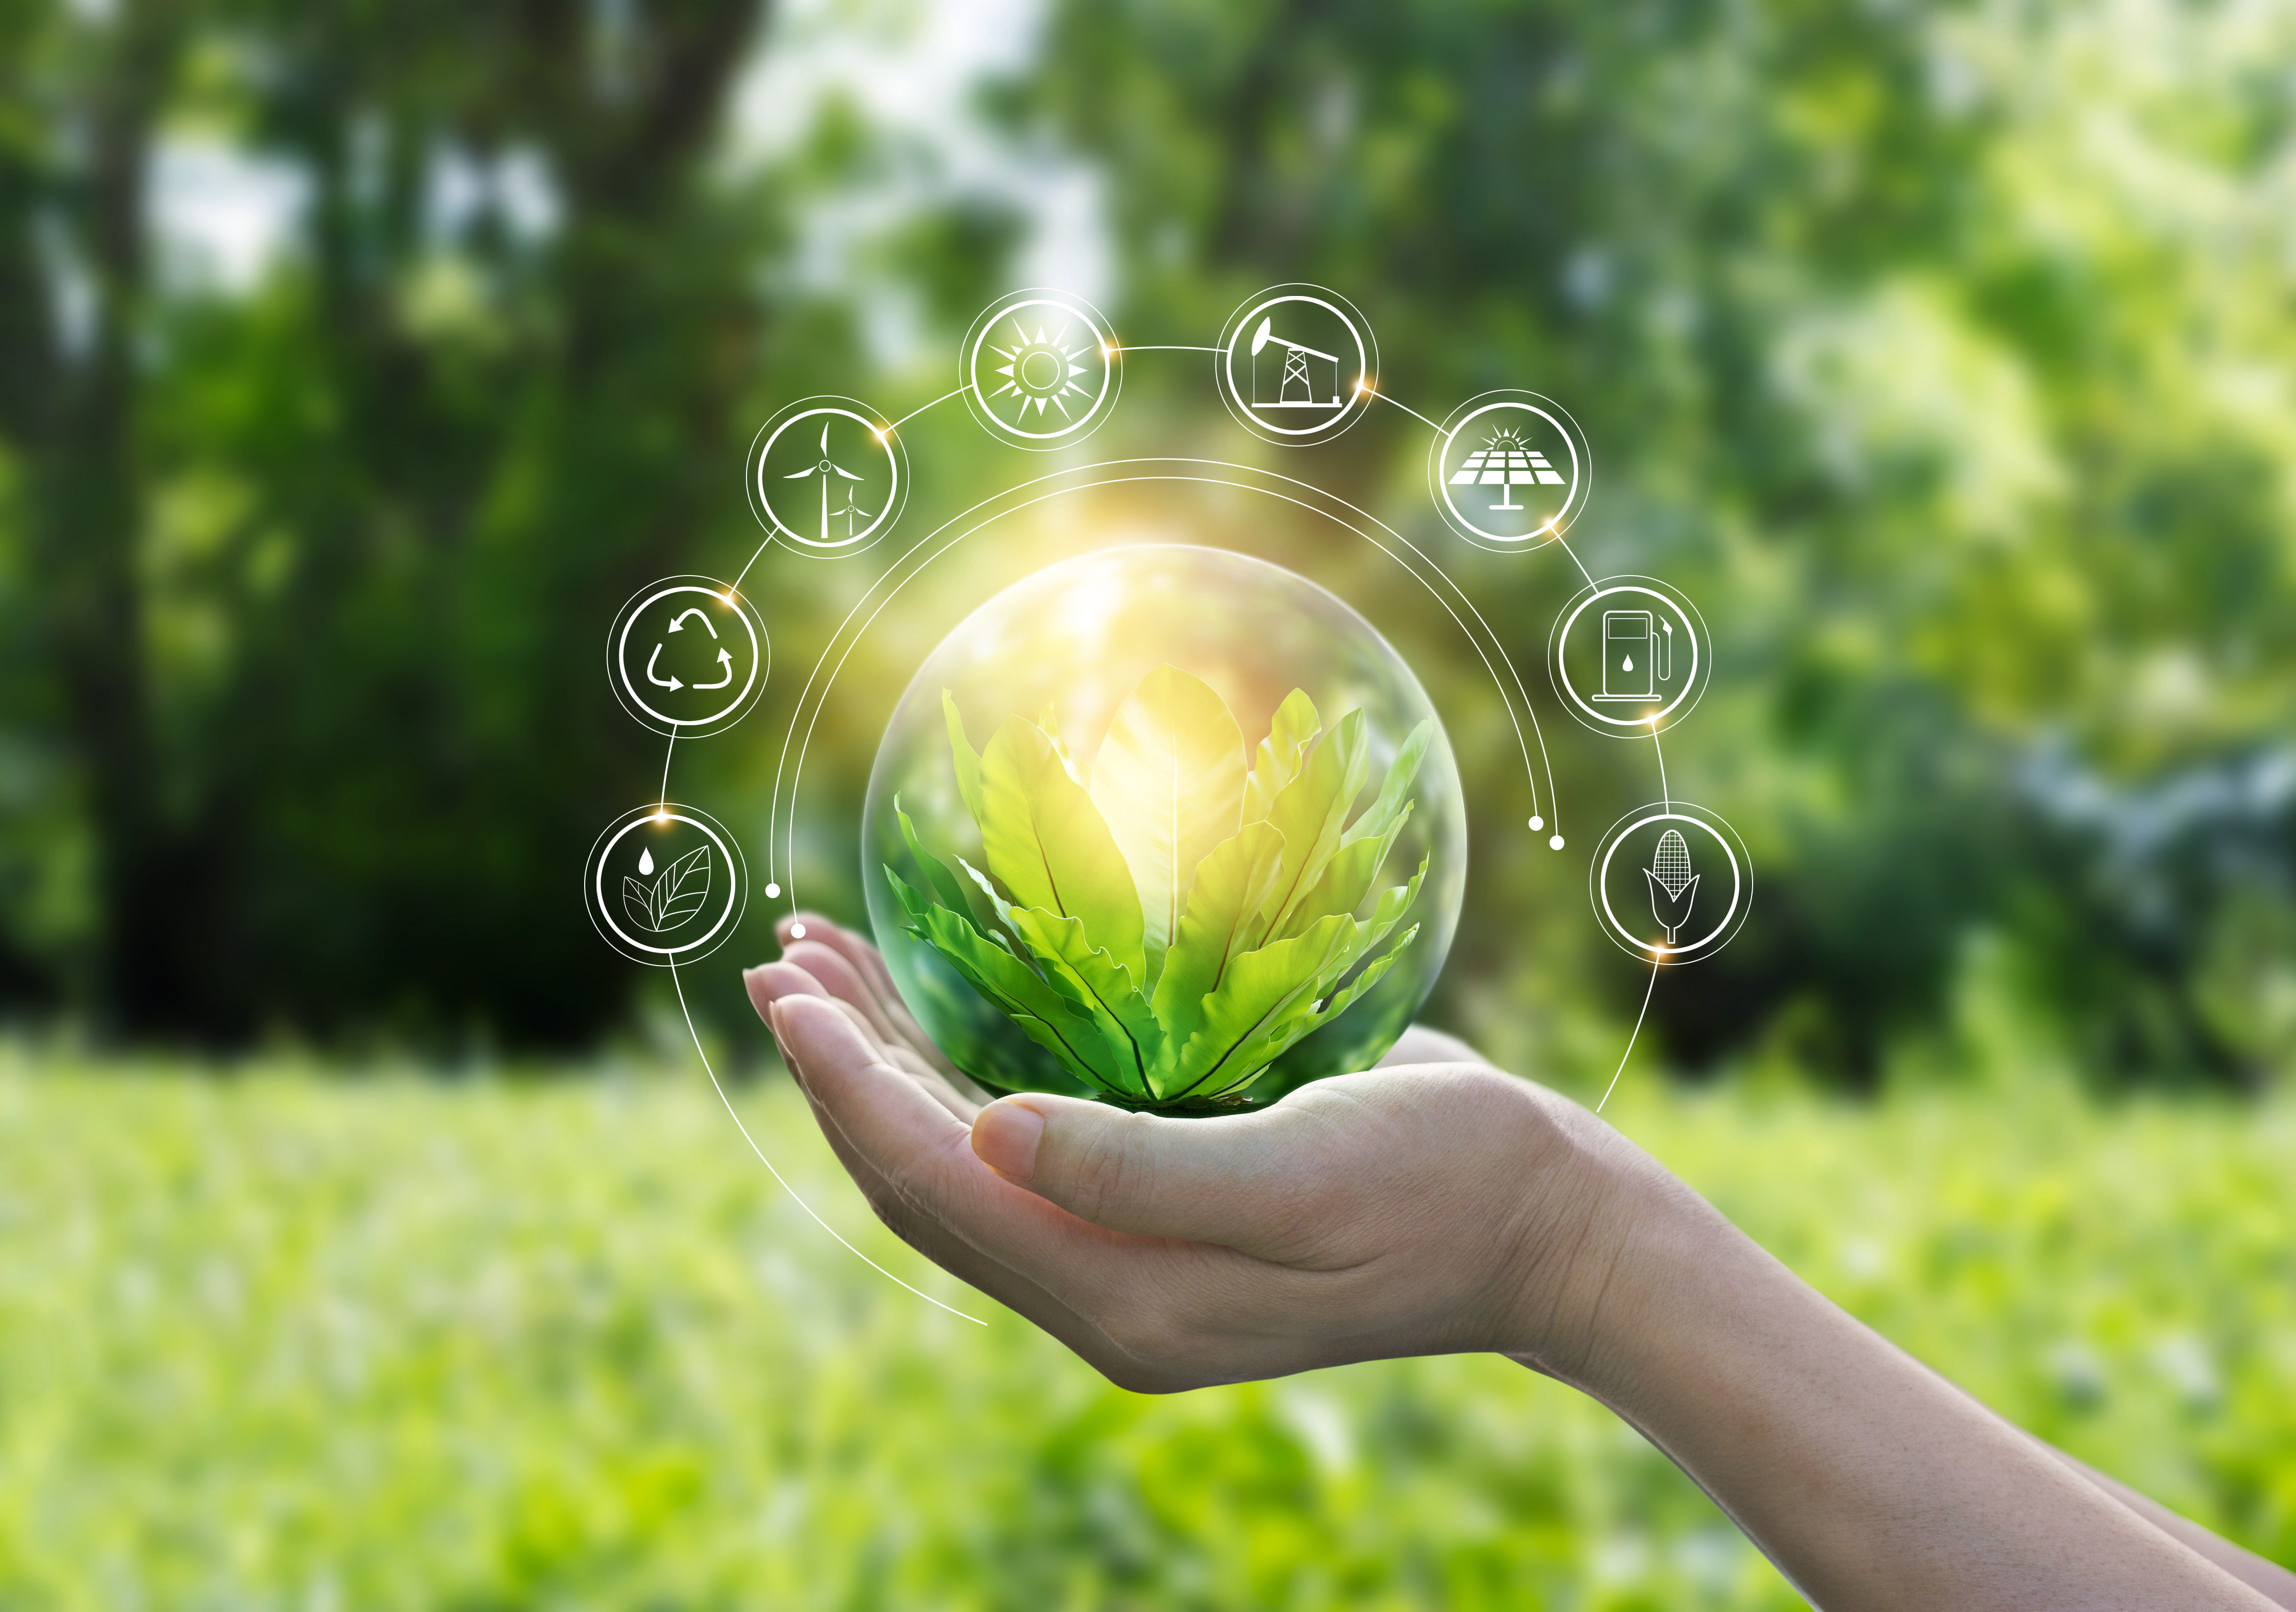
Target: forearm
[
  {"x": 1868, "y": 1479},
  {"x": 2274, "y": 1582}
]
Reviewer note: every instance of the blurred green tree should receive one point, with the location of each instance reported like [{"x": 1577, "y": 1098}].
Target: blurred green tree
[{"x": 303, "y": 562}]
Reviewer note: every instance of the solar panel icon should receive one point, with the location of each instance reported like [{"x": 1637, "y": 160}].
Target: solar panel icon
[
  {"x": 1505, "y": 462},
  {"x": 1510, "y": 470}
]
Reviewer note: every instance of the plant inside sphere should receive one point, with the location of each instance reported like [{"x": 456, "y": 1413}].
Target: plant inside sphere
[{"x": 1184, "y": 891}]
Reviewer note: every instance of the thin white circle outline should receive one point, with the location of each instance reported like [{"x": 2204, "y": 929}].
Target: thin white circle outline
[
  {"x": 1563, "y": 518},
  {"x": 622, "y": 654},
  {"x": 1627, "y": 727},
  {"x": 1582, "y": 468},
  {"x": 882, "y": 435},
  {"x": 1670, "y": 956},
  {"x": 784, "y": 818},
  {"x": 651, "y": 814},
  {"x": 1112, "y": 360},
  {"x": 1358, "y": 331}
]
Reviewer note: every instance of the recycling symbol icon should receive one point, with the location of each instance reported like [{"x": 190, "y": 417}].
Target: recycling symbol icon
[
  {"x": 724, "y": 658},
  {"x": 688, "y": 656}
]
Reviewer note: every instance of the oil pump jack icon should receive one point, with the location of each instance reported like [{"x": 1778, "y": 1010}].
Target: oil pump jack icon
[
  {"x": 825, "y": 469},
  {"x": 1304, "y": 375},
  {"x": 724, "y": 657}
]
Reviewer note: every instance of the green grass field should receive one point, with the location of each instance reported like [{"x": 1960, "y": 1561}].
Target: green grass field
[{"x": 278, "y": 1341}]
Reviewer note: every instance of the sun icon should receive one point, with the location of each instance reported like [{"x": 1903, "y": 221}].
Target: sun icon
[{"x": 1040, "y": 372}]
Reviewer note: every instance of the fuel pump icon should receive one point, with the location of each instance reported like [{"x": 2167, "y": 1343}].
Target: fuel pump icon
[{"x": 1637, "y": 654}]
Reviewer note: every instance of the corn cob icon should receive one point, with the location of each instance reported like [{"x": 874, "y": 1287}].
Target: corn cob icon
[{"x": 1673, "y": 887}]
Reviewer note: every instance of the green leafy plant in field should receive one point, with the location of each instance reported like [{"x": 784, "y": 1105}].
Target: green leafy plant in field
[{"x": 1168, "y": 921}]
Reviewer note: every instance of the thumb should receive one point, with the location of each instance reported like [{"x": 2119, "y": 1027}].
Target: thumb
[{"x": 1207, "y": 1180}]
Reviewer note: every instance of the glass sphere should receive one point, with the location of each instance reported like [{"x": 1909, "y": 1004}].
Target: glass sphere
[{"x": 1077, "y": 638}]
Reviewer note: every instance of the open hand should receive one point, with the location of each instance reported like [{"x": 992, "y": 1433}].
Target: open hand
[{"x": 1430, "y": 1205}]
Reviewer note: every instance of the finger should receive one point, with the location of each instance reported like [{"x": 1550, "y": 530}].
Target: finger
[
  {"x": 926, "y": 1157},
  {"x": 1152, "y": 1313},
  {"x": 981, "y": 1268},
  {"x": 1422, "y": 1044},
  {"x": 768, "y": 983},
  {"x": 868, "y": 966},
  {"x": 1229, "y": 1181},
  {"x": 855, "y": 949},
  {"x": 844, "y": 981},
  {"x": 921, "y": 1150},
  {"x": 772, "y": 982},
  {"x": 908, "y": 1063}
]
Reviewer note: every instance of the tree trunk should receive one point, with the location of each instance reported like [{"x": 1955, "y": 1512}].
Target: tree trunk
[{"x": 88, "y": 513}]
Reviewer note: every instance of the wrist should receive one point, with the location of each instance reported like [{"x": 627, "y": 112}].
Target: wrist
[{"x": 1617, "y": 1237}]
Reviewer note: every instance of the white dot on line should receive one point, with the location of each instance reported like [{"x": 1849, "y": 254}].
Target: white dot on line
[
  {"x": 772, "y": 890},
  {"x": 797, "y": 932},
  {"x": 1556, "y": 842},
  {"x": 1536, "y": 824}
]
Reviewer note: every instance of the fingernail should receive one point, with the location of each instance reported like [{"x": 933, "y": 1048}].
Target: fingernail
[{"x": 1004, "y": 1138}]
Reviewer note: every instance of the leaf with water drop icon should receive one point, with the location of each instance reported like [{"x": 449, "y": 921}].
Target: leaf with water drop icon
[
  {"x": 637, "y": 900},
  {"x": 682, "y": 889},
  {"x": 673, "y": 898}
]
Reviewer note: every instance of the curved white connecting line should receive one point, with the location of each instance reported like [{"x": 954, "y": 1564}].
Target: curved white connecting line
[
  {"x": 914, "y": 413},
  {"x": 1575, "y": 560},
  {"x": 1406, "y": 408},
  {"x": 776, "y": 1174},
  {"x": 788, "y": 827},
  {"x": 1664, "y": 793},
  {"x": 1631, "y": 1035}
]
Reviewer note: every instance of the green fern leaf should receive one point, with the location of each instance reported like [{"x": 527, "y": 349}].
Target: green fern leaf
[
  {"x": 1294, "y": 728},
  {"x": 1099, "y": 986},
  {"x": 1043, "y": 1012},
  {"x": 1047, "y": 845},
  {"x": 962, "y": 754},
  {"x": 1311, "y": 812},
  {"x": 1260, "y": 990},
  {"x": 1169, "y": 782},
  {"x": 1221, "y": 923}
]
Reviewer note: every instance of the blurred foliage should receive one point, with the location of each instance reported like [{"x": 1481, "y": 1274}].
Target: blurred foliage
[
  {"x": 1945, "y": 355},
  {"x": 388, "y": 1343}
]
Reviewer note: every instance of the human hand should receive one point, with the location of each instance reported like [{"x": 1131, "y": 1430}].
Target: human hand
[
  {"x": 1432, "y": 1206},
  {"x": 1426, "y": 1206}
]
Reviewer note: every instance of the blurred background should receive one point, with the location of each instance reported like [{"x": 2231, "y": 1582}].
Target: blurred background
[{"x": 367, "y": 1236}]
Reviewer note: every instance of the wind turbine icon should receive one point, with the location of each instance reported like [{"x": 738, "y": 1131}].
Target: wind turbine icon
[{"x": 824, "y": 470}]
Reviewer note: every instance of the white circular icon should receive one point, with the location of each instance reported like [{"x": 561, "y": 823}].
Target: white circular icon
[
  {"x": 1629, "y": 656},
  {"x": 1671, "y": 883},
  {"x": 1297, "y": 363},
  {"x": 1040, "y": 368},
  {"x": 688, "y": 656},
  {"x": 1510, "y": 470},
  {"x": 665, "y": 885},
  {"x": 827, "y": 476}
]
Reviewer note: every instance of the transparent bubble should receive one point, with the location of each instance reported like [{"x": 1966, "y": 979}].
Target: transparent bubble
[{"x": 1078, "y": 638}]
